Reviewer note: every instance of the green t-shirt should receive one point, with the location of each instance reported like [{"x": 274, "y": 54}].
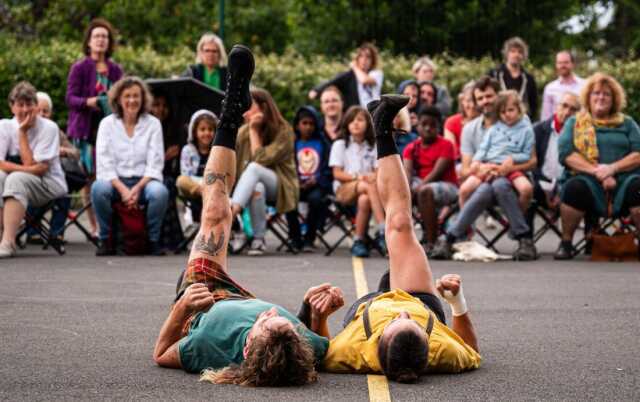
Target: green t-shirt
[
  {"x": 216, "y": 338},
  {"x": 212, "y": 78}
]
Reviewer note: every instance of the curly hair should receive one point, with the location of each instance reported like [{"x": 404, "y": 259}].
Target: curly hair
[
  {"x": 99, "y": 23},
  {"x": 281, "y": 358},
  {"x": 125, "y": 83},
  {"x": 619, "y": 98},
  {"x": 515, "y": 42}
]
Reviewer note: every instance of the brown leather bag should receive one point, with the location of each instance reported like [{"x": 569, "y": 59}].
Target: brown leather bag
[{"x": 621, "y": 246}]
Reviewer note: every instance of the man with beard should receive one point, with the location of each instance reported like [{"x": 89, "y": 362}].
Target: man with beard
[
  {"x": 567, "y": 82},
  {"x": 499, "y": 189},
  {"x": 512, "y": 75}
]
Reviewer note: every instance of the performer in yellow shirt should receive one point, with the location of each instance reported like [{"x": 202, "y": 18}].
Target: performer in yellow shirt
[{"x": 400, "y": 330}]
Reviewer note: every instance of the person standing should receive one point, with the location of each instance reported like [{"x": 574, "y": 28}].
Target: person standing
[
  {"x": 567, "y": 82},
  {"x": 211, "y": 62},
  {"x": 512, "y": 75},
  {"x": 87, "y": 85}
]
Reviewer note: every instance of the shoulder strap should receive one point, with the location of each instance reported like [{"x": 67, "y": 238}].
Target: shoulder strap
[{"x": 367, "y": 322}]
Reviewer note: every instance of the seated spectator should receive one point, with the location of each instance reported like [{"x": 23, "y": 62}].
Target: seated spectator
[
  {"x": 362, "y": 83},
  {"x": 567, "y": 82},
  {"x": 507, "y": 143},
  {"x": 314, "y": 175},
  {"x": 512, "y": 75},
  {"x": 428, "y": 95},
  {"x": 129, "y": 162},
  {"x": 353, "y": 159},
  {"x": 424, "y": 69},
  {"x": 403, "y": 133},
  {"x": 498, "y": 190},
  {"x": 193, "y": 158},
  {"x": 69, "y": 156},
  {"x": 411, "y": 89},
  {"x": 171, "y": 234},
  {"x": 549, "y": 170},
  {"x": 39, "y": 178},
  {"x": 600, "y": 149},
  {"x": 211, "y": 62},
  {"x": 266, "y": 168},
  {"x": 466, "y": 112},
  {"x": 430, "y": 166},
  {"x": 331, "y": 106}
]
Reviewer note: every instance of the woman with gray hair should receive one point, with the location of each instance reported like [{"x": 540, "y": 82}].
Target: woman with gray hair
[
  {"x": 129, "y": 162},
  {"x": 424, "y": 70},
  {"x": 38, "y": 178},
  {"x": 211, "y": 62}
]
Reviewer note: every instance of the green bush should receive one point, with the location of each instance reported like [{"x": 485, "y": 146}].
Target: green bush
[{"x": 289, "y": 76}]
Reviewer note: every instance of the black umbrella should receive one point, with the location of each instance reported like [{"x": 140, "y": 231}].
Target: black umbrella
[{"x": 185, "y": 96}]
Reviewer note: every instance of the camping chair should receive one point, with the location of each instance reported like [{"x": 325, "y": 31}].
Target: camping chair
[
  {"x": 340, "y": 217},
  {"x": 39, "y": 223}
]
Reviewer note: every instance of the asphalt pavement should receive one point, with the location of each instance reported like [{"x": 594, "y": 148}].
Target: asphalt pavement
[{"x": 77, "y": 327}]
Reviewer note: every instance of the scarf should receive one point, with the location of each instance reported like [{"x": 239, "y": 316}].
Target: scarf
[{"x": 584, "y": 133}]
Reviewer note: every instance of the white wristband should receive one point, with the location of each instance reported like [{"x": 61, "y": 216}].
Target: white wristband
[{"x": 457, "y": 302}]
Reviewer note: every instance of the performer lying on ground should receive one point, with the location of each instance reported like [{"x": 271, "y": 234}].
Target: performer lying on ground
[
  {"x": 402, "y": 332},
  {"x": 215, "y": 324}
]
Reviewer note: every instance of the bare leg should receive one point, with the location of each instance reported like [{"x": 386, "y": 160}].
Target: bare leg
[
  {"x": 409, "y": 268},
  {"x": 467, "y": 188},
  {"x": 525, "y": 192},
  {"x": 376, "y": 204},
  {"x": 86, "y": 199},
  {"x": 571, "y": 218},
  {"x": 13, "y": 214},
  {"x": 363, "y": 214}
]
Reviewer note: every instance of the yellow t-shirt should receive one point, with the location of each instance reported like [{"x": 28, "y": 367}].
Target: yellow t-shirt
[{"x": 351, "y": 352}]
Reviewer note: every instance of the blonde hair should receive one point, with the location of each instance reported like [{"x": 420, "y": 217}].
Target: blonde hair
[
  {"x": 424, "y": 61},
  {"x": 504, "y": 97},
  {"x": 281, "y": 358},
  {"x": 210, "y": 37},
  {"x": 619, "y": 98}
]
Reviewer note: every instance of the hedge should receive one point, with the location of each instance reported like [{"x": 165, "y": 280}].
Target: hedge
[{"x": 288, "y": 77}]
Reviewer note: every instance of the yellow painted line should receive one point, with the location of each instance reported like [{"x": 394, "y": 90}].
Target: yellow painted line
[{"x": 378, "y": 384}]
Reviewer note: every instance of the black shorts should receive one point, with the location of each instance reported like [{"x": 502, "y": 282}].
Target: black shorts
[{"x": 430, "y": 301}]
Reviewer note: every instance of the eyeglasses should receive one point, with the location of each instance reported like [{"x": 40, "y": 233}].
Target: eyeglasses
[{"x": 570, "y": 107}]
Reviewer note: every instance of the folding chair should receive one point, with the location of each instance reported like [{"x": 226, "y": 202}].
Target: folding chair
[
  {"x": 490, "y": 241},
  {"x": 277, "y": 224},
  {"x": 73, "y": 218},
  {"x": 340, "y": 217},
  {"x": 623, "y": 223},
  {"x": 550, "y": 217},
  {"x": 42, "y": 226}
]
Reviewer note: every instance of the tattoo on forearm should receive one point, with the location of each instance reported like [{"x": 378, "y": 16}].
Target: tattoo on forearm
[
  {"x": 211, "y": 177},
  {"x": 209, "y": 246}
]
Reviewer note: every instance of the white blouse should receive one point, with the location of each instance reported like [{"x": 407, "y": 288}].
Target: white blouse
[{"x": 118, "y": 155}]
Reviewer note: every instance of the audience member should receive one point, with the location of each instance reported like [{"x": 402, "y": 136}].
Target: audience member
[
  {"x": 403, "y": 133},
  {"x": 331, "y": 106},
  {"x": 193, "y": 158},
  {"x": 314, "y": 175},
  {"x": 499, "y": 189},
  {"x": 211, "y": 62},
  {"x": 549, "y": 169},
  {"x": 266, "y": 166},
  {"x": 428, "y": 93},
  {"x": 600, "y": 149},
  {"x": 412, "y": 90},
  {"x": 129, "y": 162},
  {"x": 353, "y": 159},
  {"x": 466, "y": 112},
  {"x": 512, "y": 75},
  {"x": 567, "y": 81},
  {"x": 87, "y": 86},
  {"x": 424, "y": 69},
  {"x": 69, "y": 158},
  {"x": 506, "y": 144},
  {"x": 430, "y": 167},
  {"x": 38, "y": 178},
  {"x": 362, "y": 83}
]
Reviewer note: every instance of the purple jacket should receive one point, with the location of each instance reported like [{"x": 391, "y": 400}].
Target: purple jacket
[{"x": 81, "y": 85}]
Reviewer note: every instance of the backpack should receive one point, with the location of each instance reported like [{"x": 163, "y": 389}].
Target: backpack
[{"x": 128, "y": 233}]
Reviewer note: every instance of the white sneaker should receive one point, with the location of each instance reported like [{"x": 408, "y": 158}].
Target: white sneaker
[
  {"x": 258, "y": 247},
  {"x": 7, "y": 250},
  {"x": 238, "y": 240}
]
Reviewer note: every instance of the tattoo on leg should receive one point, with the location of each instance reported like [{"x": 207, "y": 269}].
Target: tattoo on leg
[
  {"x": 211, "y": 177},
  {"x": 209, "y": 246}
]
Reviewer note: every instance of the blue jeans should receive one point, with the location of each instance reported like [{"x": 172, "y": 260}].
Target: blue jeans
[{"x": 155, "y": 195}]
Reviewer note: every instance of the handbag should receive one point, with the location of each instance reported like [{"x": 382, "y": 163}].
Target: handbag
[
  {"x": 620, "y": 246},
  {"x": 128, "y": 234}
]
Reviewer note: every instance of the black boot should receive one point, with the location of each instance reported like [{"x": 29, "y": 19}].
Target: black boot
[
  {"x": 237, "y": 98},
  {"x": 384, "y": 111}
]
